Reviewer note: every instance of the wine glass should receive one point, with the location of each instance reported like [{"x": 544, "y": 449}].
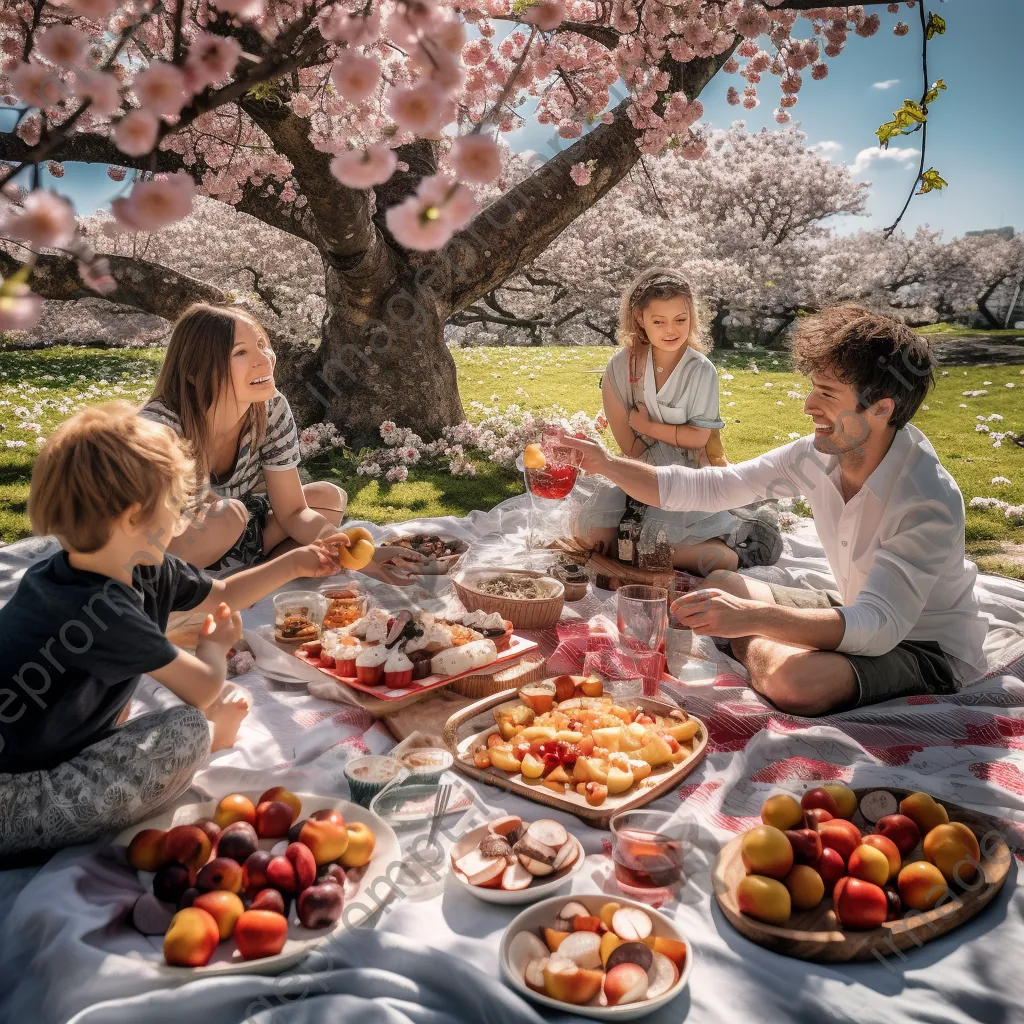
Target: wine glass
[{"x": 551, "y": 482}]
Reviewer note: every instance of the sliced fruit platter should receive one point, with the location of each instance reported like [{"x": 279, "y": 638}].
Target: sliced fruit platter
[
  {"x": 854, "y": 874},
  {"x": 250, "y": 882},
  {"x": 514, "y": 861},
  {"x": 390, "y": 654},
  {"x": 601, "y": 958},
  {"x": 565, "y": 743}
]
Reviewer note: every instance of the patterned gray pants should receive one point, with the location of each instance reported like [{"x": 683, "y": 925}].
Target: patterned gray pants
[{"x": 122, "y": 779}]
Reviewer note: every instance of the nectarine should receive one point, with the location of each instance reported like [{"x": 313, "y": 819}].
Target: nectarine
[
  {"x": 921, "y": 885},
  {"x": 870, "y": 864},
  {"x": 764, "y": 898},
  {"x": 224, "y": 907},
  {"x": 901, "y": 830},
  {"x": 954, "y": 850},
  {"x": 820, "y": 797},
  {"x": 234, "y": 807},
  {"x": 842, "y": 836},
  {"x": 806, "y": 845},
  {"x": 806, "y": 889},
  {"x": 782, "y": 811},
  {"x": 924, "y": 811},
  {"x": 326, "y": 840},
  {"x": 221, "y": 873},
  {"x": 188, "y": 845},
  {"x": 891, "y": 851},
  {"x": 238, "y": 841},
  {"x": 279, "y": 793},
  {"x": 564, "y": 981},
  {"x": 146, "y": 850},
  {"x": 260, "y": 933},
  {"x": 191, "y": 938},
  {"x": 361, "y": 842},
  {"x": 320, "y": 905},
  {"x": 831, "y": 867},
  {"x": 273, "y": 819},
  {"x": 766, "y": 851},
  {"x": 859, "y": 904},
  {"x": 845, "y": 798}
]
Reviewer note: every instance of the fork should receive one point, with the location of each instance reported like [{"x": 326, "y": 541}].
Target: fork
[{"x": 440, "y": 807}]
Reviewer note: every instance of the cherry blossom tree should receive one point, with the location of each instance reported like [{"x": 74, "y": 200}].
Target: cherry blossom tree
[{"x": 335, "y": 122}]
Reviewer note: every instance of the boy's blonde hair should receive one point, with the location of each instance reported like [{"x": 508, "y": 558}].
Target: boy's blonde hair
[
  {"x": 98, "y": 464},
  {"x": 653, "y": 284}
]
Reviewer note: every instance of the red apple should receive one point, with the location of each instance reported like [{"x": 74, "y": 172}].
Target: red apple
[
  {"x": 901, "y": 830},
  {"x": 822, "y": 798}
]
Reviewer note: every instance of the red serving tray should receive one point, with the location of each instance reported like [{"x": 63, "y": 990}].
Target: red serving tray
[{"x": 518, "y": 646}]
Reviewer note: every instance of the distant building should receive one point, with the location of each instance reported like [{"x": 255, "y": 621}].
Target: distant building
[{"x": 1006, "y": 234}]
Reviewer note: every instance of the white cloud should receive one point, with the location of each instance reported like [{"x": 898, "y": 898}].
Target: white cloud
[
  {"x": 866, "y": 157},
  {"x": 887, "y": 84},
  {"x": 828, "y": 148}
]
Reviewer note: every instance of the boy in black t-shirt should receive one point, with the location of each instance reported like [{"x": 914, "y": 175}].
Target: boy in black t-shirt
[{"x": 85, "y": 624}]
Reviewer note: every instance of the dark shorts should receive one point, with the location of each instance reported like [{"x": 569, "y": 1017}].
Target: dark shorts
[
  {"x": 248, "y": 549},
  {"x": 911, "y": 668}
]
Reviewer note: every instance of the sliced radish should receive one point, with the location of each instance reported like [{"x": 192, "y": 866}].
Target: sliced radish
[
  {"x": 582, "y": 948},
  {"x": 573, "y": 909},
  {"x": 505, "y": 825},
  {"x": 661, "y": 976},
  {"x": 516, "y": 877},
  {"x": 631, "y": 924},
  {"x": 548, "y": 832},
  {"x": 566, "y": 856},
  {"x": 533, "y": 974},
  {"x": 524, "y": 947},
  {"x": 535, "y": 867}
]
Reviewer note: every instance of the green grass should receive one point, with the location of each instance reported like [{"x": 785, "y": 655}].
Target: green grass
[
  {"x": 53, "y": 382},
  {"x": 958, "y": 330}
]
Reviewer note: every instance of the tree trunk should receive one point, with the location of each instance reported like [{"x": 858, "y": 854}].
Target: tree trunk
[
  {"x": 717, "y": 328},
  {"x": 383, "y": 355},
  {"x": 983, "y": 306}
]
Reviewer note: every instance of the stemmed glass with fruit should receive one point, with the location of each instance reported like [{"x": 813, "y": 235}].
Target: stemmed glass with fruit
[{"x": 550, "y": 471}]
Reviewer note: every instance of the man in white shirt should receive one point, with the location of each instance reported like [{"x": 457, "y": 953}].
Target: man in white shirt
[{"x": 890, "y": 518}]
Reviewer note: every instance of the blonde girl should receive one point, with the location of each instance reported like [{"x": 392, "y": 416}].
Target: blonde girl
[{"x": 660, "y": 396}]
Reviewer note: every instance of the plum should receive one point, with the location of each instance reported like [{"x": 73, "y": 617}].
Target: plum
[{"x": 321, "y": 905}]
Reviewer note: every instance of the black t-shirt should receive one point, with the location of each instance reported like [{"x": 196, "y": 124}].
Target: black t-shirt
[{"x": 72, "y": 647}]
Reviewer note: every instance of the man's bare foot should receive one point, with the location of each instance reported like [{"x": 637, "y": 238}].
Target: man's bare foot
[{"x": 226, "y": 714}]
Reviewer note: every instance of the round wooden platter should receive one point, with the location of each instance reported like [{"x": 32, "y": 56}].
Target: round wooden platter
[
  {"x": 469, "y": 728},
  {"x": 816, "y": 934}
]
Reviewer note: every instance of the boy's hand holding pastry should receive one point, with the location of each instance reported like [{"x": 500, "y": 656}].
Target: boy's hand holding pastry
[{"x": 223, "y": 628}]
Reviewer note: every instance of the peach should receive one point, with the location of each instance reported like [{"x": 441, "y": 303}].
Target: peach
[
  {"x": 870, "y": 864},
  {"x": 564, "y": 981},
  {"x": 830, "y": 866},
  {"x": 320, "y": 905},
  {"x": 292, "y": 872},
  {"x": 234, "y": 807},
  {"x": 565, "y": 687},
  {"x": 625, "y": 983},
  {"x": 224, "y": 907},
  {"x": 326, "y": 840},
  {"x": 820, "y": 797},
  {"x": 609, "y": 943},
  {"x": 672, "y": 948},
  {"x": 268, "y": 899},
  {"x": 901, "y": 830},
  {"x": 607, "y": 912},
  {"x": 815, "y": 817},
  {"x": 806, "y": 845},
  {"x": 954, "y": 850},
  {"x": 924, "y": 811},
  {"x": 146, "y": 850},
  {"x": 767, "y": 899},
  {"x": 170, "y": 882},
  {"x": 587, "y": 923},
  {"x": 782, "y": 812},
  {"x": 260, "y": 933},
  {"x": 921, "y": 885},
  {"x": 592, "y": 687},
  {"x": 188, "y": 845},
  {"x": 806, "y": 889},
  {"x": 221, "y": 873},
  {"x": 361, "y": 842},
  {"x": 254, "y": 871},
  {"x": 538, "y": 697},
  {"x": 766, "y": 851},
  {"x": 191, "y": 938},
  {"x": 842, "y": 836},
  {"x": 845, "y": 798},
  {"x": 210, "y": 827},
  {"x": 273, "y": 819},
  {"x": 238, "y": 841},
  {"x": 282, "y": 795},
  {"x": 891, "y": 851},
  {"x": 329, "y": 814},
  {"x": 859, "y": 904}
]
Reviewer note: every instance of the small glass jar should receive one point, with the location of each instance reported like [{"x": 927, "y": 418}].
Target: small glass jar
[
  {"x": 345, "y": 602},
  {"x": 298, "y": 616}
]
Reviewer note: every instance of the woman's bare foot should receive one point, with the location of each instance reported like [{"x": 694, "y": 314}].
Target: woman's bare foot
[{"x": 226, "y": 714}]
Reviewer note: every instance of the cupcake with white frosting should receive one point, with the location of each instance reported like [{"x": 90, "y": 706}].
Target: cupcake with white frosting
[
  {"x": 397, "y": 670},
  {"x": 370, "y": 664}
]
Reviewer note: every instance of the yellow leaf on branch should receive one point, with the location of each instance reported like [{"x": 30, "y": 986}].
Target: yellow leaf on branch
[
  {"x": 931, "y": 181},
  {"x": 936, "y": 26}
]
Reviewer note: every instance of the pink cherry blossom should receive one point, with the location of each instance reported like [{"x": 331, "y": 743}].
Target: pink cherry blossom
[
  {"x": 245, "y": 10},
  {"x": 733, "y": 96},
  {"x": 94, "y": 10},
  {"x": 425, "y": 221},
  {"x": 364, "y": 168},
  {"x": 547, "y": 15},
  {"x": 752, "y": 22},
  {"x": 36, "y": 84},
  {"x": 819, "y": 72},
  {"x": 96, "y": 275},
  {"x": 55, "y": 168},
  {"x": 161, "y": 89},
  {"x": 101, "y": 89},
  {"x": 418, "y": 109},
  {"x": 355, "y": 76},
  {"x": 62, "y": 44},
  {"x": 901, "y": 29},
  {"x": 212, "y": 58},
  {"x": 580, "y": 173},
  {"x": 152, "y": 205},
  {"x": 476, "y": 158},
  {"x": 338, "y": 26},
  {"x": 45, "y": 221},
  {"x": 117, "y": 173},
  {"x": 135, "y": 134},
  {"x": 869, "y": 26},
  {"x": 19, "y": 308}
]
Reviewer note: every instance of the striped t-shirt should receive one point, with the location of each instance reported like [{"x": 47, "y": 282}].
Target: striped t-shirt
[{"x": 280, "y": 448}]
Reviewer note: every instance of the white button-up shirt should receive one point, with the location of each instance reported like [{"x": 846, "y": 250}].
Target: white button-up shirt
[{"x": 896, "y": 549}]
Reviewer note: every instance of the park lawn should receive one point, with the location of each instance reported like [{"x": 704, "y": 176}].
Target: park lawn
[{"x": 762, "y": 410}]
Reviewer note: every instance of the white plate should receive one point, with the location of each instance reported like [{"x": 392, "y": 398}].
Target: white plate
[
  {"x": 536, "y": 890},
  {"x": 543, "y": 915},
  {"x": 227, "y": 959}
]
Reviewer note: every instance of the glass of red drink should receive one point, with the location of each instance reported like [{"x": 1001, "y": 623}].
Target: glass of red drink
[
  {"x": 647, "y": 851},
  {"x": 558, "y": 476}
]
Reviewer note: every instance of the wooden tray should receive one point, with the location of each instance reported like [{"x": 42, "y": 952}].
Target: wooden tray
[
  {"x": 470, "y": 727},
  {"x": 816, "y": 934},
  {"x": 620, "y": 574}
]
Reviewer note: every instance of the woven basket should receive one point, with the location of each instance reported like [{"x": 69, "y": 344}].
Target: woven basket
[
  {"x": 541, "y": 613},
  {"x": 530, "y": 670}
]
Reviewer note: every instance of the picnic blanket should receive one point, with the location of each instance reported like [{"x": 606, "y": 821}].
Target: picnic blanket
[{"x": 433, "y": 957}]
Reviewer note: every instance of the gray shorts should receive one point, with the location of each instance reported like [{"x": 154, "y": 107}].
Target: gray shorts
[{"x": 911, "y": 668}]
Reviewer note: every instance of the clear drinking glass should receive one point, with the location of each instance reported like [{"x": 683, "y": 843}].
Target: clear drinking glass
[
  {"x": 647, "y": 851},
  {"x": 682, "y": 583},
  {"x": 642, "y": 616}
]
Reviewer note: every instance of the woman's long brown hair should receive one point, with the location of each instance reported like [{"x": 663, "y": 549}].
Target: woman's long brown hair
[{"x": 197, "y": 368}]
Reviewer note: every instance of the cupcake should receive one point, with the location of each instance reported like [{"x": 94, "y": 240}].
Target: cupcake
[
  {"x": 376, "y": 626},
  {"x": 370, "y": 665},
  {"x": 345, "y": 652},
  {"x": 367, "y": 776},
  {"x": 426, "y": 765},
  {"x": 397, "y": 670},
  {"x": 420, "y": 663}
]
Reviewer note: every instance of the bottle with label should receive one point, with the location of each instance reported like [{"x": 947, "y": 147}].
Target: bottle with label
[
  {"x": 630, "y": 526},
  {"x": 654, "y": 552}
]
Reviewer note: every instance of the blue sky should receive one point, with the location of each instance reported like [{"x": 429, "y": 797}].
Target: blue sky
[{"x": 975, "y": 140}]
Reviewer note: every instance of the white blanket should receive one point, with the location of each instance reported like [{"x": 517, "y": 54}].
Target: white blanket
[{"x": 60, "y": 930}]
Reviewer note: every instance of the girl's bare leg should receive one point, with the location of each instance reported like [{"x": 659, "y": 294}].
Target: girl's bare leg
[
  {"x": 705, "y": 557},
  {"x": 205, "y": 541}
]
